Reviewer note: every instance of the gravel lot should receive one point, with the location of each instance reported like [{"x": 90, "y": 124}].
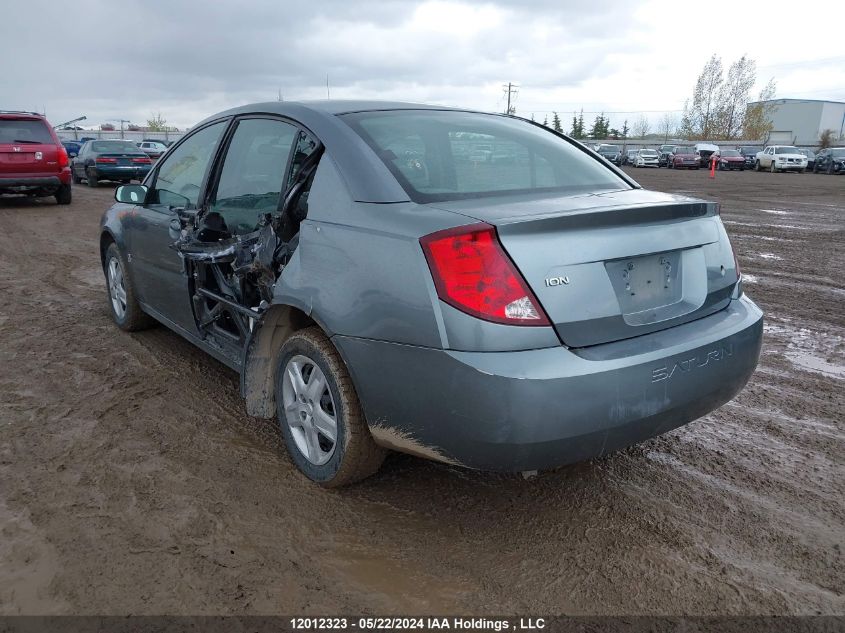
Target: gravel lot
[{"x": 133, "y": 481}]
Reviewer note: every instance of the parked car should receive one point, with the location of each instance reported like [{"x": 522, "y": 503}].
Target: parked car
[
  {"x": 730, "y": 159},
  {"x": 705, "y": 151},
  {"x": 33, "y": 160},
  {"x": 781, "y": 158},
  {"x": 811, "y": 157},
  {"x": 111, "y": 159},
  {"x": 153, "y": 149},
  {"x": 830, "y": 161},
  {"x": 663, "y": 153},
  {"x": 611, "y": 152},
  {"x": 628, "y": 157},
  {"x": 72, "y": 147},
  {"x": 645, "y": 158},
  {"x": 436, "y": 306},
  {"x": 166, "y": 143},
  {"x": 683, "y": 157},
  {"x": 750, "y": 155}
]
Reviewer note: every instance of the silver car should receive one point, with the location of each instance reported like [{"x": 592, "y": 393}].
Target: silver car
[{"x": 378, "y": 287}]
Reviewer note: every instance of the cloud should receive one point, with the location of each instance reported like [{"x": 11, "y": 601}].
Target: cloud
[{"x": 190, "y": 59}]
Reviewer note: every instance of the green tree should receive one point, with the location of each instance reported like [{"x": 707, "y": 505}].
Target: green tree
[
  {"x": 556, "y": 122},
  {"x": 546, "y": 121}
]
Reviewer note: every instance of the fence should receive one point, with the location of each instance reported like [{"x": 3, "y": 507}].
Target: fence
[{"x": 131, "y": 135}]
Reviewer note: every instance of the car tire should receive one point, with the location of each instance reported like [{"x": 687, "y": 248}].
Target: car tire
[
  {"x": 64, "y": 195},
  {"x": 125, "y": 310},
  {"x": 773, "y": 168},
  {"x": 93, "y": 181},
  {"x": 76, "y": 179},
  {"x": 352, "y": 455},
  {"x": 757, "y": 165},
  {"x": 830, "y": 168}
]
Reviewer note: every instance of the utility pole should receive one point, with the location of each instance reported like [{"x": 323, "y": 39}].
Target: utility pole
[
  {"x": 511, "y": 90},
  {"x": 328, "y": 93}
]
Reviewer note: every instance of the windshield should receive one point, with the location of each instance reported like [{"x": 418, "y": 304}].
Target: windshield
[
  {"x": 114, "y": 146},
  {"x": 730, "y": 152},
  {"x": 24, "y": 131},
  {"x": 445, "y": 155},
  {"x": 806, "y": 153},
  {"x": 839, "y": 152},
  {"x": 608, "y": 148},
  {"x": 648, "y": 152},
  {"x": 786, "y": 150},
  {"x": 749, "y": 150},
  {"x": 685, "y": 150}
]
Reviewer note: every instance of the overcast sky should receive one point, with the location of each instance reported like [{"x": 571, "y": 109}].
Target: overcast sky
[{"x": 130, "y": 58}]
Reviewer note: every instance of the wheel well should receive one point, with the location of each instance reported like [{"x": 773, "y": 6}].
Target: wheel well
[
  {"x": 258, "y": 378},
  {"x": 106, "y": 240}
]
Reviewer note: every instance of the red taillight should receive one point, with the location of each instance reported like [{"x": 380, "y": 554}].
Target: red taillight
[
  {"x": 105, "y": 159},
  {"x": 473, "y": 273},
  {"x": 142, "y": 159},
  {"x": 63, "y": 159}
]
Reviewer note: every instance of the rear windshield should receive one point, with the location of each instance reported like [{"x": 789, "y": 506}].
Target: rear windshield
[
  {"x": 24, "y": 131},
  {"x": 786, "y": 150},
  {"x": 445, "y": 155},
  {"x": 114, "y": 146}
]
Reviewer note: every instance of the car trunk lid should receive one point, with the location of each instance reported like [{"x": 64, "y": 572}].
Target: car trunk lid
[{"x": 614, "y": 265}]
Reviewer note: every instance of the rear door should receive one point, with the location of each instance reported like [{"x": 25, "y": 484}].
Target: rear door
[{"x": 27, "y": 147}]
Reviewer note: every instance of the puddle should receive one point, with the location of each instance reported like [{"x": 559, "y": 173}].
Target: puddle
[
  {"x": 775, "y": 211},
  {"x": 749, "y": 279},
  {"x": 769, "y": 256},
  {"x": 816, "y": 364}
]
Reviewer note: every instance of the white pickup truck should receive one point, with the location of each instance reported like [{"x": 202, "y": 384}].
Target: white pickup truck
[{"x": 781, "y": 158}]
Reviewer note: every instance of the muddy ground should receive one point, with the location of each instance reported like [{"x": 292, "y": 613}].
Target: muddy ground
[{"x": 132, "y": 481}]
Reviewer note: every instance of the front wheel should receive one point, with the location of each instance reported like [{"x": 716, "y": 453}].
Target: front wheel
[
  {"x": 757, "y": 165},
  {"x": 325, "y": 432},
  {"x": 830, "y": 168},
  {"x": 772, "y": 167}
]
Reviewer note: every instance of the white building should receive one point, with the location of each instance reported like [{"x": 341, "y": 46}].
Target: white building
[{"x": 801, "y": 121}]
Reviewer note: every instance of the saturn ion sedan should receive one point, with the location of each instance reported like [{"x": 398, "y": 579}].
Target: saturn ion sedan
[{"x": 378, "y": 287}]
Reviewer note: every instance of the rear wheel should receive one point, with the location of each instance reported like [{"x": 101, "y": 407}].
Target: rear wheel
[
  {"x": 63, "y": 195},
  {"x": 325, "y": 432},
  {"x": 93, "y": 181},
  {"x": 125, "y": 310}
]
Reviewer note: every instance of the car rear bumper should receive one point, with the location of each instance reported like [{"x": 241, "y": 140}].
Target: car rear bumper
[
  {"x": 25, "y": 183},
  {"x": 120, "y": 172},
  {"x": 539, "y": 409}
]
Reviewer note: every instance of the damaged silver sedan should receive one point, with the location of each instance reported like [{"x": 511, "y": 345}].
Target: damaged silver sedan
[{"x": 468, "y": 287}]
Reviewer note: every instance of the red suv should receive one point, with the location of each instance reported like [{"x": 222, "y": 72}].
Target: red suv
[{"x": 32, "y": 159}]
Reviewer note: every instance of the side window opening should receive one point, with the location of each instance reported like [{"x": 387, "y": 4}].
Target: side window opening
[{"x": 244, "y": 238}]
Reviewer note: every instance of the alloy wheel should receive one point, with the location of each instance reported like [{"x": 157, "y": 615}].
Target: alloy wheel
[
  {"x": 309, "y": 409},
  {"x": 117, "y": 289}
]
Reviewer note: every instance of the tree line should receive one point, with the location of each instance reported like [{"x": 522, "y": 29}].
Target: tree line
[{"x": 720, "y": 109}]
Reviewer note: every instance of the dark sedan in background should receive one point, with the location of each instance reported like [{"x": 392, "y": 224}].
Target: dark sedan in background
[
  {"x": 811, "y": 157},
  {"x": 116, "y": 159},
  {"x": 830, "y": 161},
  {"x": 611, "y": 152},
  {"x": 749, "y": 154},
  {"x": 663, "y": 153}
]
